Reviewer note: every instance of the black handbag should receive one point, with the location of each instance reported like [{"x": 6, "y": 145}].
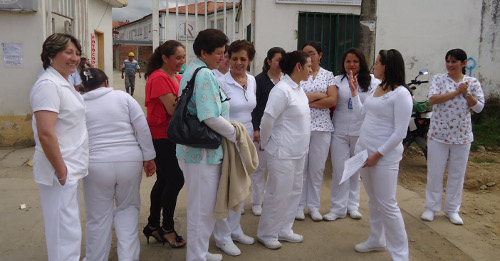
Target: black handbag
[{"x": 187, "y": 129}]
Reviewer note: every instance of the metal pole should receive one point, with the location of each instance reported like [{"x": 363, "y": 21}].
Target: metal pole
[
  {"x": 215, "y": 14},
  {"x": 186, "y": 27},
  {"x": 177, "y": 20},
  {"x": 206, "y": 15},
  {"x": 225, "y": 31},
  {"x": 235, "y": 11},
  {"x": 196, "y": 17},
  {"x": 156, "y": 23}
]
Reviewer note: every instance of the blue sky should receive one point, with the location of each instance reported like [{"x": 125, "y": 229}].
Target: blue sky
[{"x": 137, "y": 9}]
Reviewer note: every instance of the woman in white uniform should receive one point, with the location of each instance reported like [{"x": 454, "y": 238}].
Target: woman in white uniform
[
  {"x": 322, "y": 95},
  {"x": 266, "y": 80},
  {"x": 284, "y": 134},
  {"x": 61, "y": 150},
  {"x": 453, "y": 95},
  {"x": 345, "y": 197},
  {"x": 120, "y": 146},
  {"x": 240, "y": 87},
  {"x": 385, "y": 113}
]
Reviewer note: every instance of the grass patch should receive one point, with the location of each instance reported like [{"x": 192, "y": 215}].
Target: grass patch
[
  {"x": 486, "y": 125},
  {"x": 485, "y": 160}
]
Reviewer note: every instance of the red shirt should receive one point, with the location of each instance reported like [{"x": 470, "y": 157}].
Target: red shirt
[{"x": 158, "y": 84}]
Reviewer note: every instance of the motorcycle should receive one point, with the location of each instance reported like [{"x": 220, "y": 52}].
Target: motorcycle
[{"x": 420, "y": 119}]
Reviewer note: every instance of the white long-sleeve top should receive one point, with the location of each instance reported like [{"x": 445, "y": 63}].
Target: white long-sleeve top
[
  {"x": 385, "y": 123},
  {"x": 118, "y": 130},
  {"x": 285, "y": 127},
  {"x": 344, "y": 120}
]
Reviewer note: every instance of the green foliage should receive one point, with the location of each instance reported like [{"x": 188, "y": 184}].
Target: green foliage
[{"x": 486, "y": 125}]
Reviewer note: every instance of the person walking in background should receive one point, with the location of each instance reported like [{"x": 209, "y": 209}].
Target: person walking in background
[
  {"x": 266, "y": 80},
  {"x": 322, "y": 95},
  {"x": 130, "y": 67},
  {"x": 453, "y": 96},
  {"x": 202, "y": 167},
  {"x": 61, "y": 152},
  {"x": 240, "y": 87},
  {"x": 120, "y": 146},
  {"x": 385, "y": 113},
  {"x": 162, "y": 89},
  {"x": 344, "y": 197},
  {"x": 284, "y": 134}
]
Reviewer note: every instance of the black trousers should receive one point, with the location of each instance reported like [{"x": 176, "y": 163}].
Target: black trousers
[{"x": 169, "y": 181}]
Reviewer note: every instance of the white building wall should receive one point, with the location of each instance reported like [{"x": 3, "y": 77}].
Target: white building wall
[
  {"x": 423, "y": 31},
  {"x": 276, "y": 25}
]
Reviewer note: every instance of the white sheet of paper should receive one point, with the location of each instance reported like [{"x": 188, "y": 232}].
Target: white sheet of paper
[{"x": 353, "y": 164}]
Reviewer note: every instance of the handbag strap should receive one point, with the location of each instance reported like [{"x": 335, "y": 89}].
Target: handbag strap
[
  {"x": 188, "y": 91},
  {"x": 193, "y": 78}
]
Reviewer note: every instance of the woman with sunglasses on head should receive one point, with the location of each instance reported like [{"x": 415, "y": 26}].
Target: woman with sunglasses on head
[
  {"x": 453, "y": 96},
  {"x": 239, "y": 86},
  {"x": 385, "y": 113},
  {"x": 61, "y": 151},
  {"x": 162, "y": 88},
  {"x": 284, "y": 133},
  {"x": 120, "y": 147},
  {"x": 322, "y": 95},
  {"x": 345, "y": 197},
  {"x": 266, "y": 80},
  {"x": 202, "y": 167}
]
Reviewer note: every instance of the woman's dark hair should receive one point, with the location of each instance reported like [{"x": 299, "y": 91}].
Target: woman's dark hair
[
  {"x": 208, "y": 40},
  {"x": 92, "y": 78},
  {"x": 238, "y": 45},
  {"x": 56, "y": 43},
  {"x": 458, "y": 54},
  {"x": 270, "y": 55},
  {"x": 155, "y": 61},
  {"x": 394, "y": 74},
  {"x": 315, "y": 45},
  {"x": 289, "y": 60},
  {"x": 364, "y": 77}
]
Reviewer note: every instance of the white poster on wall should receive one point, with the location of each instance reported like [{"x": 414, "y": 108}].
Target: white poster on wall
[
  {"x": 188, "y": 30},
  {"x": 12, "y": 55},
  {"x": 320, "y": 2}
]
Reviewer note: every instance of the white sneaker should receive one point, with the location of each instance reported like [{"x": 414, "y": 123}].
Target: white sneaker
[
  {"x": 365, "y": 248},
  {"x": 257, "y": 210},
  {"x": 294, "y": 238},
  {"x": 454, "y": 218},
  {"x": 300, "y": 215},
  {"x": 332, "y": 216},
  {"x": 428, "y": 215},
  {"x": 214, "y": 257},
  {"x": 316, "y": 216},
  {"x": 229, "y": 248},
  {"x": 355, "y": 214},
  {"x": 244, "y": 239},
  {"x": 271, "y": 244}
]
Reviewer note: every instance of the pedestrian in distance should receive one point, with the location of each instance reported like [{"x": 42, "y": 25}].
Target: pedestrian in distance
[
  {"x": 162, "y": 89},
  {"x": 385, "y": 113},
  {"x": 453, "y": 96},
  {"x": 130, "y": 67},
  {"x": 120, "y": 147},
  {"x": 61, "y": 152}
]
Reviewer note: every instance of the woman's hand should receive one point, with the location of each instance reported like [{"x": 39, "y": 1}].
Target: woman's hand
[
  {"x": 372, "y": 160},
  {"x": 149, "y": 167},
  {"x": 62, "y": 177},
  {"x": 256, "y": 136},
  {"x": 353, "y": 84},
  {"x": 463, "y": 88}
]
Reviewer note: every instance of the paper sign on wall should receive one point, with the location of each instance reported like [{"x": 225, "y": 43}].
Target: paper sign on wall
[{"x": 12, "y": 55}]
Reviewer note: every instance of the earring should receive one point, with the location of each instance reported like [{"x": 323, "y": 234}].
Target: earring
[{"x": 51, "y": 61}]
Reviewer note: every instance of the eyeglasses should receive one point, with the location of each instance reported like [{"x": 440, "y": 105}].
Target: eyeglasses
[
  {"x": 221, "y": 91},
  {"x": 244, "y": 92},
  {"x": 312, "y": 54}
]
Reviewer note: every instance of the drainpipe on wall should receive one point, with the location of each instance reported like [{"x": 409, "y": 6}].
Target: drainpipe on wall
[{"x": 368, "y": 21}]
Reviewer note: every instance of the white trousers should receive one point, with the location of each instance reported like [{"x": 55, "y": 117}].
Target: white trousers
[
  {"x": 314, "y": 167},
  {"x": 343, "y": 197},
  {"x": 226, "y": 227},
  {"x": 386, "y": 222},
  {"x": 109, "y": 183},
  {"x": 439, "y": 155},
  {"x": 282, "y": 196},
  {"x": 202, "y": 181},
  {"x": 258, "y": 177},
  {"x": 61, "y": 215}
]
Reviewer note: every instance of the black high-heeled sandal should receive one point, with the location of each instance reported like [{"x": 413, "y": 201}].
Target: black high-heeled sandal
[
  {"x": 177, "y": 243},
  {"x": 150, "y": 232}
]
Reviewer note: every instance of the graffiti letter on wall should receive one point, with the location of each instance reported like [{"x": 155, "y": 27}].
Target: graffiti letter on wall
[{"x": 471, "y": 64}]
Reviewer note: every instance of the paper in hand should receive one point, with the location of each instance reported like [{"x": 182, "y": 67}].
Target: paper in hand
[{"x": 353, "y": 164}]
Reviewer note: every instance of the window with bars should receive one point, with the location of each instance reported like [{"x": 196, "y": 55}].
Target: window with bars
[{"x": 336, "y": 32}]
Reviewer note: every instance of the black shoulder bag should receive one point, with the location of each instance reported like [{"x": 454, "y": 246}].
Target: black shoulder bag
[{"x": 187, "y": 129}]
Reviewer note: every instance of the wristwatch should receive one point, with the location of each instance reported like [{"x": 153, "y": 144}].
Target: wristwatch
[{"x": 467, "y": 95}]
